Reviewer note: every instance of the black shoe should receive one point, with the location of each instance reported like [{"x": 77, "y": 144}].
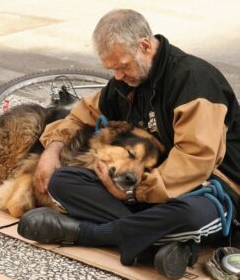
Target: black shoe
[
  {"x": 48, "y": 226},
  {"x": 172, "y": 259}
]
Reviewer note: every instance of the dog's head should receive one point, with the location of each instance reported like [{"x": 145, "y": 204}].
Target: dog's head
[{"x": 128, "y": 152}]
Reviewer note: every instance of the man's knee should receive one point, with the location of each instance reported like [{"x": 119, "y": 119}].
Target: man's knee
[
  {"x": 200, "y": 212},
  {"x": 68, "y": 180},
  {"x": 57, "y": 183},
  {"x": 80, "y": 192},
  {"x": 186, "y": 214}
]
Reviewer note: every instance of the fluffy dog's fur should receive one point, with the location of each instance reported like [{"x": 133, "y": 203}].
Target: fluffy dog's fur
[{"x": 128, "y": 152}]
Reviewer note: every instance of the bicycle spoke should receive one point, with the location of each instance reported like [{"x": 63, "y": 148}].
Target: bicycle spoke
[{"x": 37, "y": 87}]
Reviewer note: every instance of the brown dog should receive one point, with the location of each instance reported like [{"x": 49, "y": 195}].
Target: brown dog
[{"x": 128, "y": 152}]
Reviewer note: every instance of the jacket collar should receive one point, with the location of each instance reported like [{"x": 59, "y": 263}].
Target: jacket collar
[{"x": 160, "y": 60}]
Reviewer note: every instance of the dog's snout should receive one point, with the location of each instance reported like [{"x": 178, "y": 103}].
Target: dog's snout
[{"x": 130, "y": 179}]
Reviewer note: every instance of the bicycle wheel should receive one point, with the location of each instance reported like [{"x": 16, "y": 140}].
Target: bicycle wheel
[{"x": 41, "y": 86}]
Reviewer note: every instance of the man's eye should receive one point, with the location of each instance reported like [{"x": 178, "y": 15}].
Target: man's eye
[{"x": 131, "y": 155}]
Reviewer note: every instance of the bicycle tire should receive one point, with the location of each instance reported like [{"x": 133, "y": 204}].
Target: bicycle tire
[{"x": 34, "y": 86}]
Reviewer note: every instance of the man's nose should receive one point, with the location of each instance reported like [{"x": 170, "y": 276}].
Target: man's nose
[{"x": 118, "y": 74}]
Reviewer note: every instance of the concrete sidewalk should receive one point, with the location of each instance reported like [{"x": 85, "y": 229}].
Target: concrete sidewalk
[{"x": 39, "y": 35}]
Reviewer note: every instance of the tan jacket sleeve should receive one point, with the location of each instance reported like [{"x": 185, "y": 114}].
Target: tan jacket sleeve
[
  {"x": 85, "y": 112},
  {"x": 199, "y": 147}
]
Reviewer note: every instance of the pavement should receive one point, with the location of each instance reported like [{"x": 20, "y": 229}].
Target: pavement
[{"x": 42, "y": 35}]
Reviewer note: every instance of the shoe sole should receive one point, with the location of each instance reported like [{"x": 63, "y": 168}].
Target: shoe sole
[{"x": 172, "y": 260}]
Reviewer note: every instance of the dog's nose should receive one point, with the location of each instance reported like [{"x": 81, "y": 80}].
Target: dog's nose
[{"x": 130, "y": 179}]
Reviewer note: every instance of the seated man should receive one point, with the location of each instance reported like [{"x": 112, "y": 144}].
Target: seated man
[{"x": 189, "y": 106}]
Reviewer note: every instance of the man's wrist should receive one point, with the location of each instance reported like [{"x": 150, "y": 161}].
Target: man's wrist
[
  {"x": 131, "y": 196},
  {"x": 55, "y": 146}
]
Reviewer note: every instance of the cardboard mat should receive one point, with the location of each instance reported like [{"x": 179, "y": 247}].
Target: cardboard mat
[
  {"x": 3, "y": 277},
  {"x": 106, "y": 259}
]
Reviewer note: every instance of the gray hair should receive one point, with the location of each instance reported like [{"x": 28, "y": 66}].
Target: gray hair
[{"x": 121, "y": 26}]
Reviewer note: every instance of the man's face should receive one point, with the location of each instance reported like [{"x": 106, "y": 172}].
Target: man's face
[{"x": 133, "y": 69}]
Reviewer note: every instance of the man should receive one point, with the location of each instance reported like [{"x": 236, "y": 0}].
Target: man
[{"x": 189, "y": 106}]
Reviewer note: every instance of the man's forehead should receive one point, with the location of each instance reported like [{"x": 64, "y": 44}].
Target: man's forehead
[{"x": 117, "y": 56}]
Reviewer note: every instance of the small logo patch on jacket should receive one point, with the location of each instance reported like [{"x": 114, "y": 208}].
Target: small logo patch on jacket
[{"x": 152, "y": 124}]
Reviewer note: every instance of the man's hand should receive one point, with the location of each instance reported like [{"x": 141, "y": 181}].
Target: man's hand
[
  {"x": 102, "y": 172},
  {"x": 151, "y": 189},
  {"x": 48, "y": 163}
]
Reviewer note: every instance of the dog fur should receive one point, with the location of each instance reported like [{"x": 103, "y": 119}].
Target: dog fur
[{"x": 128, "y": 152}]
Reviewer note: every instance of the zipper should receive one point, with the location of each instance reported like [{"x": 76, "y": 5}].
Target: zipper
[
  {"x": 153, "y": 95},
  {"x": 128, "y": 101},
  {"x": 164, "y": 139}
]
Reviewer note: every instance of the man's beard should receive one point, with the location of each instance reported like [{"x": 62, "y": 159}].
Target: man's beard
[{"x": 143, "y": 72}]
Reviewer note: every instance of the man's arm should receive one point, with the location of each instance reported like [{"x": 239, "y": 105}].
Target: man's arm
[
  {"x": 85, "y": 112},
  {"x": 60, "y": 132},
  {"x": 199, "y": 147},
  {"x": 48, "y": 163}
]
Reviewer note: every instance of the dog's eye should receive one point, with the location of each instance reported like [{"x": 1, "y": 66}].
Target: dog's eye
[{"x": 131, "y": 155}]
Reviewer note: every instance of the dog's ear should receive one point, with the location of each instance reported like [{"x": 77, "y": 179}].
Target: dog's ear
[
  {"x": 154, "y": 140},
  {"x": 107, "y": 134}
]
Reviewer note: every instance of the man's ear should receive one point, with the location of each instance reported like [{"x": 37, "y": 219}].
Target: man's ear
[{"x": 145, "y": 45}]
